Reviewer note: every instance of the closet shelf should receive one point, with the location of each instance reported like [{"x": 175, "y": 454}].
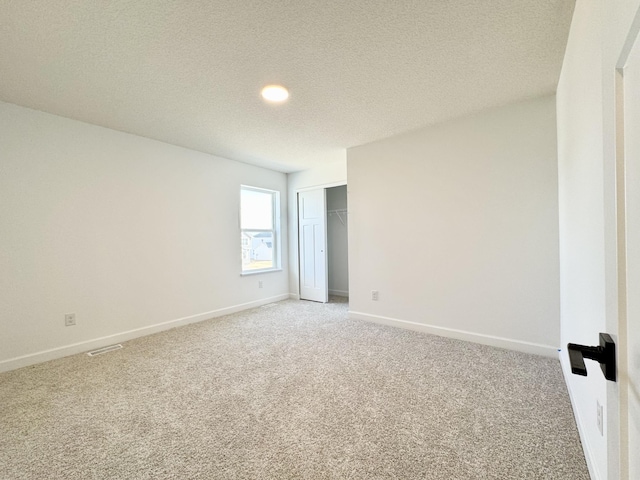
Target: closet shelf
[{"x": 338, "y": 212}]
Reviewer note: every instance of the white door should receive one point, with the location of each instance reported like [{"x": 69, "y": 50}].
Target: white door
[
  {"x": 312, "y": 239},
  {"x": 629, "y": 259}
]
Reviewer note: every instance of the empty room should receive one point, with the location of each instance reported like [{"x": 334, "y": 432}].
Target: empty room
[{"x": 319, "y": 240}]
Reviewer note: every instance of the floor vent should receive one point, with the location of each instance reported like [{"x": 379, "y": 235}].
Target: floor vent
[{"x": 102, "y": 350}]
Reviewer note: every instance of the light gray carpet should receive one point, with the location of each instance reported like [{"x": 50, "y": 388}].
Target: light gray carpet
[{"x": 293, "y": 390}]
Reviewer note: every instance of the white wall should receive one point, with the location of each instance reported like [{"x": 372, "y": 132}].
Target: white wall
[
  {"x": 124, "y": 231},
  {"x": 456, "y": 226},
  {"x": 587, "y": 170},
  {"x": 328, "y": 175},
  {"x": 337, "y": 242}
]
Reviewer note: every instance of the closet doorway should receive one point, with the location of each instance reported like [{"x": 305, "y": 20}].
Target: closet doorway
[{"x": 323, "y": 244}]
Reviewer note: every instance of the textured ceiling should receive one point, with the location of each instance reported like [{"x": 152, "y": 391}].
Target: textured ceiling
[{"x": 189, "y": 72}]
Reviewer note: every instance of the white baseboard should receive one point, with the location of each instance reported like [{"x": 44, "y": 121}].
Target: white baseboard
[
  {"x": 509, "y": 344},
  {"x": 66, "y": 350},
  {"x": 586, "y": 447},
  {"x": 339, "y": 293},
  {"x": 294, "y": 296}
]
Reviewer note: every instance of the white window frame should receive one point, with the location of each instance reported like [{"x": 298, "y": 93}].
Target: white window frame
[{"x": 275, "y": 230}]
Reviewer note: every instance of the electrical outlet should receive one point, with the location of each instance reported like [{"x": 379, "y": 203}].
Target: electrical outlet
[
  {"x": 69, "y": 319},
  {"x": 600, "y": 417},
  {"x": 375, "y": 295},
  {"x": 259, "y": 283}
]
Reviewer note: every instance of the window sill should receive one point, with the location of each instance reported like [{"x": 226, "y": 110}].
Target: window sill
[{"x": 256, "y": 272}]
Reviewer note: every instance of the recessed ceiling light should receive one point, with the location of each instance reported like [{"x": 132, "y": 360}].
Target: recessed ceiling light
[{"x": 275, "y": 93}]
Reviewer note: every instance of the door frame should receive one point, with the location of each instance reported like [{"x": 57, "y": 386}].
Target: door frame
[
  {"x": 618, "y": 454},
  {"x": 297, "y": 226}
]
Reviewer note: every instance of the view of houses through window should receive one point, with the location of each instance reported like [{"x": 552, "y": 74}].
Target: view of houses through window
[{"x": 258, "y": 228}]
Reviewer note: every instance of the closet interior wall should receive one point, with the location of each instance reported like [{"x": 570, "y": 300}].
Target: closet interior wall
[{"x": 337, "y": 244}]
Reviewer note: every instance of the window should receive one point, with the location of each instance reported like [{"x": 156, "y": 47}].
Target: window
[{"x": 260, "y": 229}]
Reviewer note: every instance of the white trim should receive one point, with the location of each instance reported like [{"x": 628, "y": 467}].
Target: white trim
[
  {"x": 294, "y": 296},
  {"x": 592, "y": 465},
  {"x": 339, "y": 293},
  {"x": 324, "y": 185},
  {"x": 256, "y": 272},
  {"x": 59, "y": 352},
  {"x": 491, "y": 340}
]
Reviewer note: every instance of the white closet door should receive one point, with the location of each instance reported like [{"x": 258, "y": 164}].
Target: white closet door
[{"x": 312, "y": 239}]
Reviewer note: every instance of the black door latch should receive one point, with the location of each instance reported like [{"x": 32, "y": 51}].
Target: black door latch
[{"x": 605, "y": 354}]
